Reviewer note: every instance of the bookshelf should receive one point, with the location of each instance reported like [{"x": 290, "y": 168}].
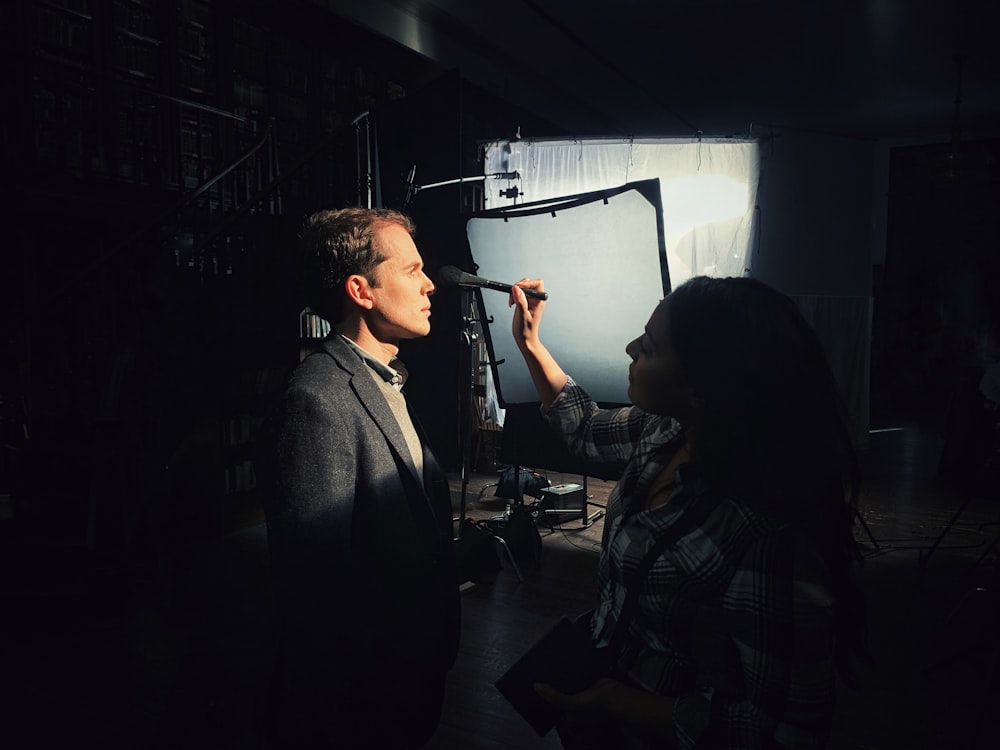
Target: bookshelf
[
  {"x": 136, "y": 61},
  {"x": 312, "y": 330},
  {"x": 245, "y": 401},
  {"x": 62, "y": 45}
]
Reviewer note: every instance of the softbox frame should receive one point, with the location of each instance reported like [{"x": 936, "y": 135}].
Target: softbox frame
[{"x": 603, "y": 257}]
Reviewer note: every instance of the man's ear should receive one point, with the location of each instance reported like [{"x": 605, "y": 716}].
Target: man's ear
[{"x": 359, "y": 291}]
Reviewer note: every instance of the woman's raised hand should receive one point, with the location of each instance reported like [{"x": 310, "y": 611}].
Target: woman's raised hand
[{"x": 527, "y": 311}]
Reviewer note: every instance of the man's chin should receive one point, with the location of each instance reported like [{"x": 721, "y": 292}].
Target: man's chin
[{"x": 417, "y": 334}]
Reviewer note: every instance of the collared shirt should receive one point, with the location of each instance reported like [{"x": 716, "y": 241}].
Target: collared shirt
[
  {"x": 733, "y": 619},
  {"x": 395, "y": 376}
]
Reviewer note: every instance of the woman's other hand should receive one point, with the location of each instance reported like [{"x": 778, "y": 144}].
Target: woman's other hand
[{"x": 596, "y": 703}]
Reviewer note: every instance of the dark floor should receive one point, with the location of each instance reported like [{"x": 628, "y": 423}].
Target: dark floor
[{"x": 85, "y": 664}]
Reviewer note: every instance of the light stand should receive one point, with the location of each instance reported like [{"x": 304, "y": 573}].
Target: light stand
[
  {"x": 412, "y": 189},
  {"x": 468, "y": 335},
  {"x": 469, "y": 359},
  {"x": 469, "y": 342}
]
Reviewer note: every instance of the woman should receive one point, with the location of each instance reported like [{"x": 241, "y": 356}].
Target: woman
[{"x": 736, "y": 451}]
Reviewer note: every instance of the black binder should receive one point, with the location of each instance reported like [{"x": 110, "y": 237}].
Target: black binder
[{"x": 563, "y": 658}]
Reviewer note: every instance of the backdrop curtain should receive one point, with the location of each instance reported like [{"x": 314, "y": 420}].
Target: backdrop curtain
[{"x": 708, "y": 188}]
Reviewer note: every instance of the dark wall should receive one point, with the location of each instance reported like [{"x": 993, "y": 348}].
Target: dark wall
[{"x": 937, "y": 313}]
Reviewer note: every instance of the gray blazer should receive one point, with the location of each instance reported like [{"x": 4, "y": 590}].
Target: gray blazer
[{"x": 362, "y": 555}]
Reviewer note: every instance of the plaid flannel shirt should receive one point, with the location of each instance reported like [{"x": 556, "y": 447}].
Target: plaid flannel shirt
[{"x": 733, "y": 619}]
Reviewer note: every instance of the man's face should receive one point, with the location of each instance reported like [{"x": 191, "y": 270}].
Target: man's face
[{"x": 402, "y": 305}]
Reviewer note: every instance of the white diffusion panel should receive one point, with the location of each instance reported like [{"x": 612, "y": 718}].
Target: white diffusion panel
[{"x": 603, "y": 261}]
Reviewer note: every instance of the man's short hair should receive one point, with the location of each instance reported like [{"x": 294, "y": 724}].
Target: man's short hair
[{"x": 337, "y": 244}]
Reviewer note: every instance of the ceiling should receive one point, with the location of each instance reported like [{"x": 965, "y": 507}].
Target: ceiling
[{"x": 883, "y": 69}]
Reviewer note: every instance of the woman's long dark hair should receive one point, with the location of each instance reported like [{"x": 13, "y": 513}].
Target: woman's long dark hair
[{"x": 772, "y": 427}]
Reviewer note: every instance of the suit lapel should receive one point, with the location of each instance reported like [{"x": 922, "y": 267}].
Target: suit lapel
[{"x": 373, "y": 401}]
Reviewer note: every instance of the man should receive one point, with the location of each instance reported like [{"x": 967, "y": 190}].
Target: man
[{"x": 359, "y": 512}]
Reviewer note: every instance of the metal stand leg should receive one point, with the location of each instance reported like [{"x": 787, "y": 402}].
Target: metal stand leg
[
  {"x": 864, "y": 525},
  {"x": 924, "y": 556},
  {"x": 982, "y": 558},
  {"x": 985, "y": 479},
  {"x": 510, "y": 557},
  {"x": 588, "y": 520}
]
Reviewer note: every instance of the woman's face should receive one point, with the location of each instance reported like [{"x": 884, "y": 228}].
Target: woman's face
[{"x": 655, "y": 382}]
